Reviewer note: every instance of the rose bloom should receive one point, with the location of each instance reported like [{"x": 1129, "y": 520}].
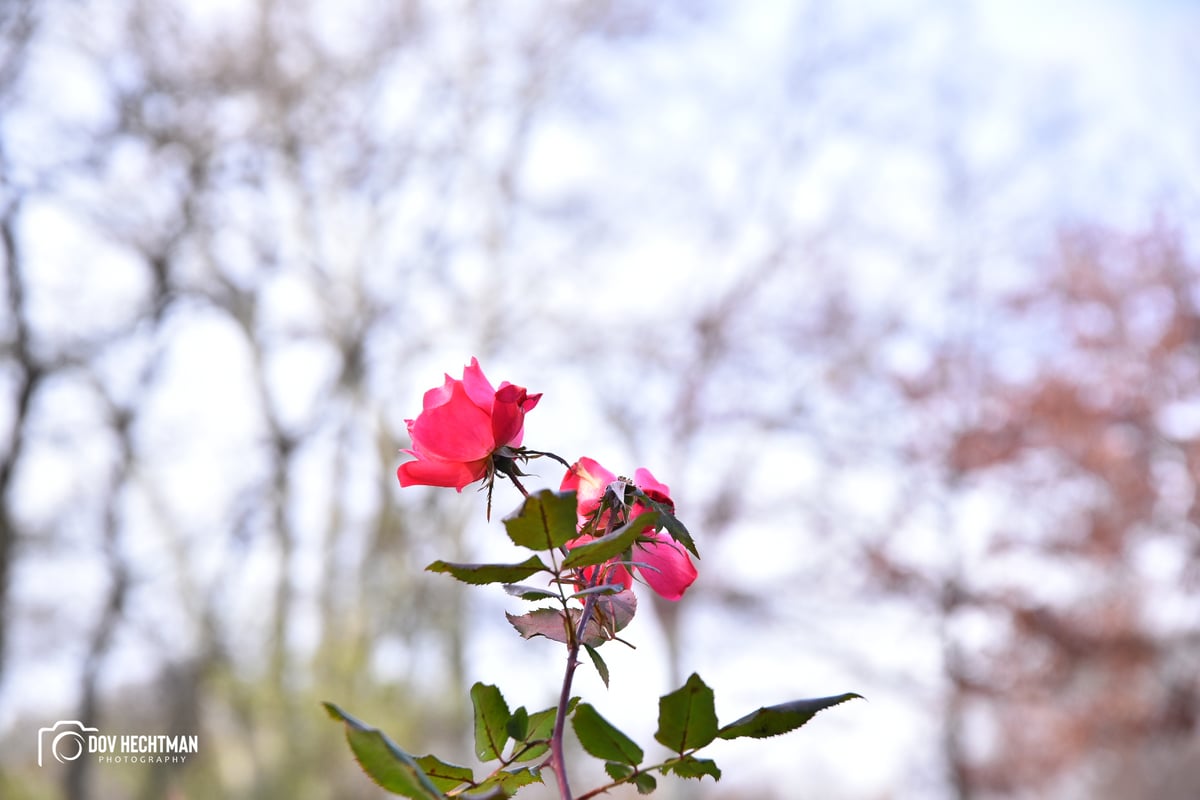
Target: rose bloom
[
  {"x": 463, "y": 423},
  {"x": 669, "y": 570}
]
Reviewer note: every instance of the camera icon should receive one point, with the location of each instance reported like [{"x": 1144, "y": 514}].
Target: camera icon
[{"x": 65, "y": 745}]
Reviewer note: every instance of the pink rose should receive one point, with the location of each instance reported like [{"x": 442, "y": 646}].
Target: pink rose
[
  {"x": 671, "y": 571},
  {"x": 462, "y": 424}
]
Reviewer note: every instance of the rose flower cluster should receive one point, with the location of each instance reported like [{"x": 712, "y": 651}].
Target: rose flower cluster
[{"x": 468, "y": 430}]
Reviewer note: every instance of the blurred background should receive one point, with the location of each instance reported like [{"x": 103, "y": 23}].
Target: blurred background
[{"x": 902, "y": 299}]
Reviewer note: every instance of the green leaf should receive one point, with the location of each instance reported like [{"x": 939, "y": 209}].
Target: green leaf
[
  {"x": 478, "y": 574},
  {"x": 528, "y": 592},
  {"x": 545, "y": 520},
  {"x": 617, "y": 770},
  {"x": 490, "y": 792},
  {"x": 687, "y": 718},
  {"x": 533, "y": 748},
  {"x": 601, "y": 739},
  {"x": 505, "y": 783},
  {"x": 692, "y": 767},
  {"x": 541, "y": 723},
  {"x": 774, "y": 720},
  {"x": 491, "y": 721},
  {"x": 602, "y": 549},
  {"x": 598, "y": 663},
  {"x": 670, "y": 522},
  {"x": 645, "y": 782},
  {"x": 518, "y": 725},
  {"x": 445, "y": 776},
  {"x": 541, "y": 726},
  {"x": 384, "y": 762},
  {"x": 512, "y": 780}
]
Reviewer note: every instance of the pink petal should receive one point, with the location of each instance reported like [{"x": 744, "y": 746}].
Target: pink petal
[
  {"x": 478, "y": 387},
  {"x": 589, "y": 480},
  {"x": 527, "y": 402},
  {"x": 673, "y": 571},
  {"x": 432, "y": 472},
  {"x": 508, "y": 414},
  {"x": 650, "y": 485},
  {"x": 439, "y": 395},
  {"x": 457, "y": 430}
]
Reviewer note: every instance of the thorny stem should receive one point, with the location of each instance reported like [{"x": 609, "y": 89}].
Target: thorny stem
[
  {"x": 556, "y": 738},
  {"x": 564, "y": 697},
  {"x": 575, "y": 639}
]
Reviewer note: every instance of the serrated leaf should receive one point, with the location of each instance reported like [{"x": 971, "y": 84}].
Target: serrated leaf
[
  {"x": 545, "y": 521},
  {"x": 518, "y": 725},
  {"x": 493, "y": 791},
  {"x": 598, "y": 663},
  {"x": 610, "y": 614},
  {"x": 785, "y": 717},
  {"x": 601, "y": 739},
  {"x": 671, "y": 523},
  {"x": 478, "y": 574},
  {"x": 541, "y": 723},
  {"x": 541, "y": 726},
  {"x": 512, "y": 780},
  {"x": 528, "y": 592},
  {"x": 548, "y": 622},
  {"x": 491, "y": 721},
  {"x": 607, "y": 547},
  {"x": 533, "y": 748},
  {"x": 505, "y": 783},
  {"x": 692, "y": 767},
  {"x": 645, "y": 782},
  {"x": 384, "y": 762},
  {"x": 444, "y": 775},
  {"x": 687, "y": 717},
  {"x": 617, "y": 770}
]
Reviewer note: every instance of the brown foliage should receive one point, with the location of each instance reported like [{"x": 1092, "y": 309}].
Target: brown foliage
[{"x": 1086, "y": 673}]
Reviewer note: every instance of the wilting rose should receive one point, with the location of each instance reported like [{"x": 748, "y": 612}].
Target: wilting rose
[
  {"x": 669, "y": 571},
  {"x": 463, "y": 423}
]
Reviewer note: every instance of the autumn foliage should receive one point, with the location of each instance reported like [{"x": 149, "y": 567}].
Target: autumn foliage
[{"x": 1087, "y": 424}]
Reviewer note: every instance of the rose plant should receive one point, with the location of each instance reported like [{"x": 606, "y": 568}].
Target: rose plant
[{"x": 590, "y": 540}]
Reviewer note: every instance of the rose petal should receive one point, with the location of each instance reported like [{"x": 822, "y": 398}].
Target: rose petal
[
  {"x": 439, "y": 395},
  {"x": 508, "y": 415},
  {"x": 650, "y": 485},
  {"x": 672, "y": 573},
  {"x": 457, "y": 430},
  {"x": 478, "y": 387},
  {"x": 432, "y": 472},
  {"x": 589, "y": 480}
]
